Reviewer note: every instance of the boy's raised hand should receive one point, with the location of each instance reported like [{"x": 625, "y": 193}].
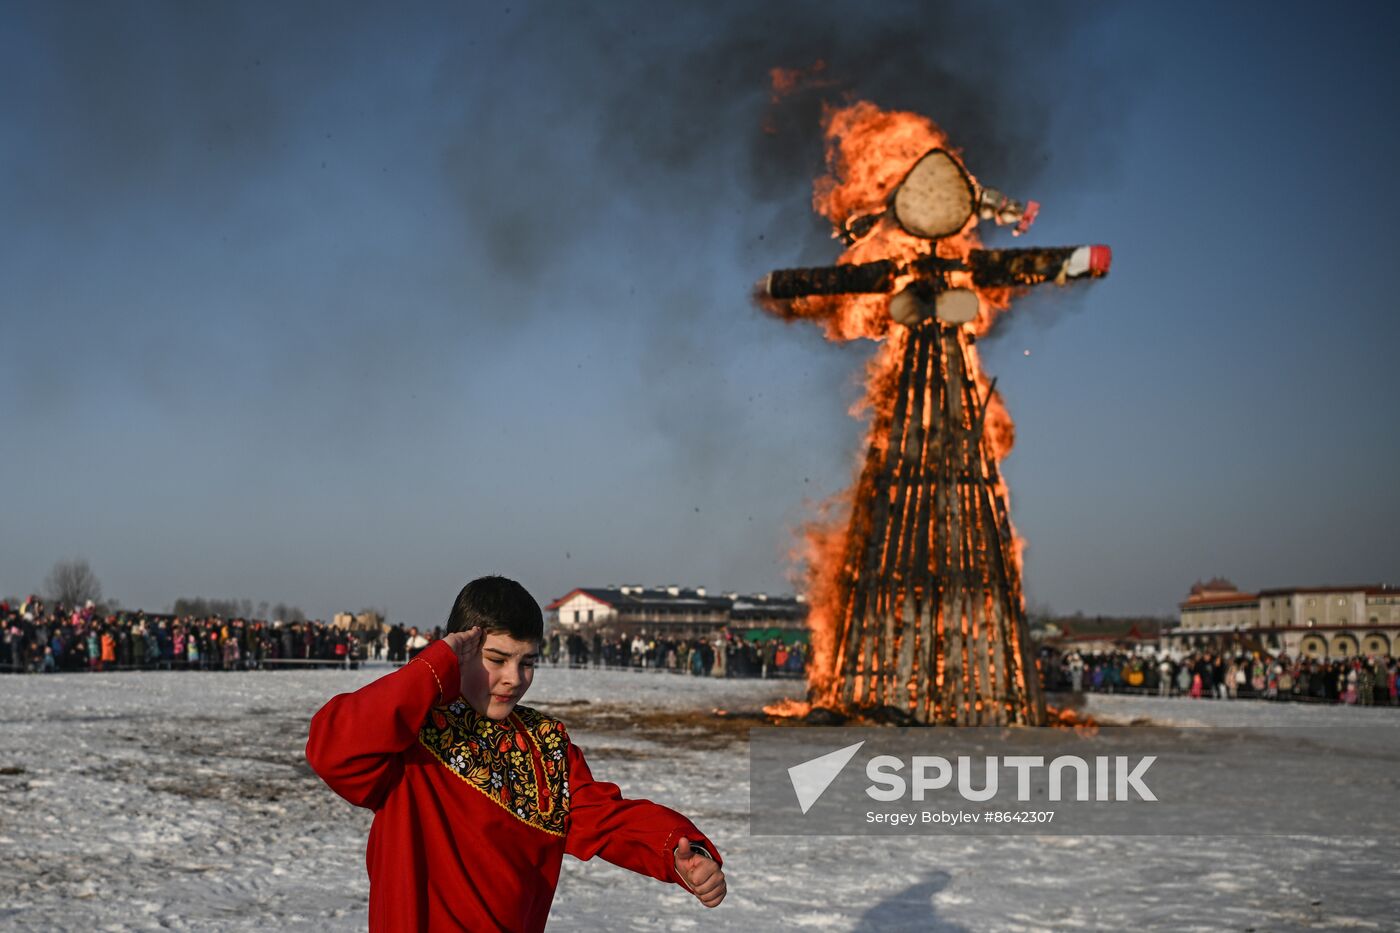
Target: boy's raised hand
[
  {"x": 701, "y": 874},
  {"x": 467, "y": 646}
]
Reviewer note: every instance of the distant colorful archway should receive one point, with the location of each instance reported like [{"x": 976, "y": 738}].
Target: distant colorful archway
[
  {"x": 1375, "y": 643},
  {"x": 1313, "y": 646},
  {"x": 1343, "y": 646}
]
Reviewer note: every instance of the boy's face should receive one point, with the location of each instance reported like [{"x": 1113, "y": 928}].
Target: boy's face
[{"x": 506, "y": 667}]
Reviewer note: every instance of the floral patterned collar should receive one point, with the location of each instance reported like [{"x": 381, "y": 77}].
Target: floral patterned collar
[{"x": 520, "y": 764}]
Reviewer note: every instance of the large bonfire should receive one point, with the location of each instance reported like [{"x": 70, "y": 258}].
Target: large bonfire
[{"x": 914, "y": 580}]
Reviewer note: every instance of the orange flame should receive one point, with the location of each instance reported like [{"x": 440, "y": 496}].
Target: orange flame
[
  {"x": 788, "y": 708},
  {"x": 784, "y": 82},
  {"x": 868, "y": 153}
]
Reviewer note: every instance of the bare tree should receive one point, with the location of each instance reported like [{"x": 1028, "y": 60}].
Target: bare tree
[
  {"x": 72, "y": 582},
  {"x": 288, "y": 613}
]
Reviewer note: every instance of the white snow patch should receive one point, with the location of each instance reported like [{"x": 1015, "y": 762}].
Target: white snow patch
[{"x": 182, "y": 801}]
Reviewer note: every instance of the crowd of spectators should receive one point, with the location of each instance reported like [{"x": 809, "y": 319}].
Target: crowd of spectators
[
  {"x": 1363, "y": 681},
  {"x": 723, "y": 654},
  {"x": 38, "y": 637},
  {"x": 45, "y": 638}
]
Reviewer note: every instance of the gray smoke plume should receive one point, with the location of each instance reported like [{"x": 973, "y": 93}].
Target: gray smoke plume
[
  {"x": 261, "y": 189},
  {"x": 679, "y": 105}
]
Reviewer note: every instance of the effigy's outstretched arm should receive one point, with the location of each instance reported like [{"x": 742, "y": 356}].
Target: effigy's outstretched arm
[{"x": 989, "y": 268}]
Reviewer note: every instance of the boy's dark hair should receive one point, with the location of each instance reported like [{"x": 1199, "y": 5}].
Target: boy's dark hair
[{"x": 497, "y": 604}]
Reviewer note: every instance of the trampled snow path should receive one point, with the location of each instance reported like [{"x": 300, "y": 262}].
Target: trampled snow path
[{"x": 182, "y": 801}]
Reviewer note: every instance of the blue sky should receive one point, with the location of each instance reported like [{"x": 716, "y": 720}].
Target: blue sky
[{"x": 342, "y": 305}]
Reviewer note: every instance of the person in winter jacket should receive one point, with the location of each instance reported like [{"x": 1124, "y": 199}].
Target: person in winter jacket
[{"x": 94, "y": 650}]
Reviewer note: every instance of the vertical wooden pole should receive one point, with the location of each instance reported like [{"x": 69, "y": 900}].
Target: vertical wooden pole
[
  {"x": 904, "y": 525},
  {"x": 933, "y": 620}
]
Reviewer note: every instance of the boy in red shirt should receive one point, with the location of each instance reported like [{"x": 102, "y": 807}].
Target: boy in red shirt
[{"x": 476, "y": 799}]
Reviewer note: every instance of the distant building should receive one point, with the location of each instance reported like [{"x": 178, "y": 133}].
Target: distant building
[
  {"x": 673, "y": 611},
  {"x": 1307, "y": 621},
  {"x": 1089, "y": 635},
  {"x": 368, "y": 622}
]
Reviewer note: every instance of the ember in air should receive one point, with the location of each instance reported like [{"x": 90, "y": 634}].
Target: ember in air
[{"x": 1112, "y": 778}]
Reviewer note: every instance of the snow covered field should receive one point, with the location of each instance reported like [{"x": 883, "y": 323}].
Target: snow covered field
[{"x": 182, "y": 801}]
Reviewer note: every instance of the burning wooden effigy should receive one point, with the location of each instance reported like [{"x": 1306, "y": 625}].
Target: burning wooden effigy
[{"x": 917, "y": 608}]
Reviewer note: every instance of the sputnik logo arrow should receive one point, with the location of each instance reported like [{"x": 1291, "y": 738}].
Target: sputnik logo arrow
[{"x": 811, "y": 778}]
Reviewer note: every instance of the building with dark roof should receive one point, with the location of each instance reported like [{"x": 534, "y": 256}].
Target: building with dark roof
[
  {"x": 673, "y": 611},
  {"x": 1089, "y": 634}
]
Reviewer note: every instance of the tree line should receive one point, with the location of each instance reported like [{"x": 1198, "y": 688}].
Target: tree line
[{"x": 73, "y": 583}]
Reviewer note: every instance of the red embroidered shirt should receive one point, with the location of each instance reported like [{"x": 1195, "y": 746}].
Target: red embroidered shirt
[{"x": 472, "y": 817}]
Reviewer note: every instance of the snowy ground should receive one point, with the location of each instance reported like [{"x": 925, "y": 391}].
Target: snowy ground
[{"x": 182, "y": 801}]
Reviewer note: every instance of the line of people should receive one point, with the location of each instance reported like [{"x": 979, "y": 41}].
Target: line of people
[
  {"x": 40, "y": 638},
  {"x": 1362, "y": 681},
  {"x": 724, "y": 654}
]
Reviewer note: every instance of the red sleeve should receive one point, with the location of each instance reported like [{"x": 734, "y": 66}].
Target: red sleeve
[
  {"x": 635, "y": 834},
  {"x": 357, "y": 739}
]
